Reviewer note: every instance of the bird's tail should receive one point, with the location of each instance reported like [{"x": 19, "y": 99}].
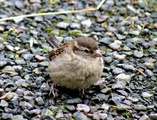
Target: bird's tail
[{"x": 53, "y": 41}]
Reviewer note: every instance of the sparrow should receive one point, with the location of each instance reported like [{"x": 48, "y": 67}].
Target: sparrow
[{"x": 76, "y": 64}]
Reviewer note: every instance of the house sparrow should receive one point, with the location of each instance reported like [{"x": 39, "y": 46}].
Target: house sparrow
[{"x": 76, "y": 64}]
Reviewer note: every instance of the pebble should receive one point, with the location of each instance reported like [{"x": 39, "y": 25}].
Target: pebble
[
  {"x": 4, "y": 103},
  {"x": 139, "y": 107},
  {"x": 123, "y": 77},
  {"x": 115, "y": 46},
  {"x": 103, "y": 116},
  {"x": 149, "y": 65},
  {"x": 105, "y": 106},
  {"x": 138, "y": 54},
  {"x": 1, "y": 29},
  {"x": 146, "y": 95},
  {"x": 17, "y": 117},
  {"x": 74, "y": 101},
  {"x": 80, "y": 116},
  {"x": 144, "y": 117},
  {"x": 83, "y": 107},
  {"x": 62, "y": 25},
  {"x": 10, "y": 47},
  {"x": 153, "y": 116},
  {"x": 117, "y": 70},
  {"x": 86, "y": 23},
  {"x": 123, "y": 107},
  {"x": 119, "y": 57},
  {"x": 27, "y": 56},
  {"x": 46, "y": 113},
  {"x": 3, "y": 63},
  {"x": 70, "y": 107},
  {"x": 75, "y": 25},
  {"x": 39, "y": 101},
  {"x": 20, "y": 61},
  {"x": 35, "y": 1}
]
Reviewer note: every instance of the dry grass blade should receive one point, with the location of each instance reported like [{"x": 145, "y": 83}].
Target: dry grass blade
[{"x": 55, "y": 13}]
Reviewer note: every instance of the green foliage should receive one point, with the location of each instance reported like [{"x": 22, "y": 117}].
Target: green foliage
[
  {"x": 54, "y": 112},
  {"x": 74, "y": 32},
  {"x": 52, "y": 2},
  {"x": 127, "y": 114}
]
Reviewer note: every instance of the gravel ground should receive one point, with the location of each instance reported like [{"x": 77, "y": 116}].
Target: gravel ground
[{"x": 128, "y": 38}]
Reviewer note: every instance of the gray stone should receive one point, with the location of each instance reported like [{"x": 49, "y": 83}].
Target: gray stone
[
  {"x": 63, "y": 25},
  {"x": 140, "y": 107},
  {"x": 80, "y": 116},
  {"x": 39, "y": 100},
  {"x": 18, "y": 117},
  {"x": 74, "y": 100},
  {"x": 86, "y": 23}
]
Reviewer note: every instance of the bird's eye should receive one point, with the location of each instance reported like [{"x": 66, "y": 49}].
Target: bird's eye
[{"x": 87, "y": 51}]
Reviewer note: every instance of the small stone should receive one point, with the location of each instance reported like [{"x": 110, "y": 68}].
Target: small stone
[
  {"x": 86, "y": 23},
  {"x": 39, "y": 101},
  {"x": 45, "y": 87},
  {"x": 40, "y": 58},
  {"x": 3, "y": 63},
  {"x": 153, "y": 116},
  {"x": 106, "y": 90},
  {"x": 35, "y": 1},
  {"x": 83, "y": 107},
  {"x": 74, "y": 100},
  {"x": 63, "y": 25},
  {"x": 133, "y": 99},
  {"x": 140, "y": 107},
  {"x": 80, "y": 116},
  {"x": 1, "y": 29},
  {"x": 136, "y": 40},
  {"x": 70, "y": 107},
  {"x": 117, "y": 70},
  {"x": 24, "y": 104},
  {"x": 123, "y": 77},
  {"x": 149, "y": 72},
  {"x": 38, "y": 18},
  {"x": 119, "y": 85},
  {"x": 3, "y": 103},
  {"x": 6, "y": 116},
  {"x": 103, "y": 116},
  {"x": 126, "y": 48},
  {"x": 119, "y": 57},
  {"x": 46, "y": 113},
  {"x": 138, "y": 54},
  {"x": 144, "y": 117},
  {"x": 75, "y": 25},
  {"x": 9, "y": 47},
  {"x": 123, "y": 107},
  {"x": 108, "y": 59},
  {"x": 27, "y": 56},
  {"x": 105, "y": 106},
  {"x": 149, "y": 65},
  {"x": 122, "y": 92},
  {"x": 17, "y": 20},
  {"x": 128, "y": 67},
  {"x": 17, "y": 117},
  {"x": 44, "y": 63},
  {"x": 134, "y": 32},
  {"x": 1, "y": 46},
  {"x": 102, "y": 18},
  {"x": 59, "y": 115},
  {"x": 115, "y": 46},
  {"x": 146, "y": 95},
  {"x": 111, "y": 29},
  {"x": 20, "y": 61}
]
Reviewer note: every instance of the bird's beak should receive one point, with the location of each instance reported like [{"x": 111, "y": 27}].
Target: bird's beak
[{"x": 97, "y": 53}]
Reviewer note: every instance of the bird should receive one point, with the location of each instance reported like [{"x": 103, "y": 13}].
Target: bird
[{"x": 76, "y": 64}]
